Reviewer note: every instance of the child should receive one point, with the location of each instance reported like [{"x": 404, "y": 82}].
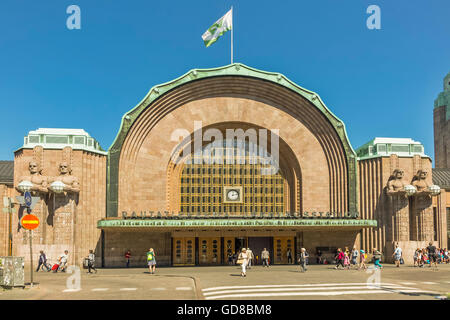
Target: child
[
  {"x": 415, "y": 257},
  {"x": 362, "y": 259},
  {"x": 346, "y": 261}
]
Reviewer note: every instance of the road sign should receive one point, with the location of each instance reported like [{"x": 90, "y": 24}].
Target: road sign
[
  {"x": 21, "y": 201},
  {"x": 29, "y": 222},
  {"x": 27, "y": 198}
]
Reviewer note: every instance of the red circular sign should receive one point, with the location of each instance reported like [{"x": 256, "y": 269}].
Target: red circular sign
[{"x": 30, "y": 222}]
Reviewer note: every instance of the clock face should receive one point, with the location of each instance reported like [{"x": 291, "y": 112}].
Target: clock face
[{"x": 233, "y": 195}]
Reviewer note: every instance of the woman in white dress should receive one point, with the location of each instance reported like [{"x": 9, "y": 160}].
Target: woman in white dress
[{"x": 243, "y": 257}]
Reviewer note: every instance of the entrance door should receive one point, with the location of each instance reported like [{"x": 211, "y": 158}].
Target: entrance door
[
  {"x": 239, "y": 244},
  {"x": 257, "y": 245},
  {"x": 209, "y": 251},
  {"x": 183, "y": 251},
  {"x": 281, "y": 246},
  {"x": 228, "y": 248}
]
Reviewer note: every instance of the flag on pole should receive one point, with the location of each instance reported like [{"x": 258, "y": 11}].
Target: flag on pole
[{"x": 221, "y": 26}]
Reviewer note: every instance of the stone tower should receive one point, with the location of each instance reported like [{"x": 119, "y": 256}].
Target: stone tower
[{"x": 442, "y": 126}]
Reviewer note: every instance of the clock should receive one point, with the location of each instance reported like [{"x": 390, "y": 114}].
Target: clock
[{"x": 232, "y": 194}]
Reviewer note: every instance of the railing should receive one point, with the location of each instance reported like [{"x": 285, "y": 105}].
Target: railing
[{"x": 253, "y": 215}]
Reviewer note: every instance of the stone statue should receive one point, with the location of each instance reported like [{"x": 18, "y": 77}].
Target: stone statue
[
  {"x": 396, "y": 184},
  {"x": 419, "y": 181},
  {"x": 71, "y": 184},
  {"x": 39, "y": 182}
]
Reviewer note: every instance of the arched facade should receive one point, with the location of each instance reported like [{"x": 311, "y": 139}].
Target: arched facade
[{"x": 139, "y": 172}]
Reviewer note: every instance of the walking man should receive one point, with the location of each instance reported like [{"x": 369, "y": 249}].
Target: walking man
[
  {"x": 91, "y": 261},
  {"x": 354, "y": 257},
  {"x": 289, "y": 255},
  {"x": 377, "y": 258},
  {"x": 63, "y": 261},
  {"x": 397, "y": 255},
  {"x": 432, "y": 254},
  {"x": 42, "y": 260},
  {"x": 303, "y": 258},
  {"x": 127, "y": 257},
  {"x": 250, "y": 257},
  {"x": 265, "y": 258}
]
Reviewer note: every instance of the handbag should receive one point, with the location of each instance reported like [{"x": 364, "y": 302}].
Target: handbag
[
  {"x": 240, "y": 261},
  {"x": 402, "y": 261}
]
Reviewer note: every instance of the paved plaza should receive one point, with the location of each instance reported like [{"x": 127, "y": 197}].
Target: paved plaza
[{"x": 284, "y": 282}]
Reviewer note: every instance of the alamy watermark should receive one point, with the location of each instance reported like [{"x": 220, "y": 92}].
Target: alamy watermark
[
  {"x": 374, "y": 20},
  {"x": 239, "y": 146}
]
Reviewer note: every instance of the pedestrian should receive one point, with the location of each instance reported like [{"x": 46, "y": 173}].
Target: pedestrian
[
  {"x": 42, "y": 260},
  {"x": 91, "y": 261},
  {"x": 377, "y": 258},
  {"x": 416, "y": 257},
  {"x": 397, "y": 255},
  {"x": 319, "y": 257},
  {"x": 243, "y": 261},
  {"x": 230, "y": 259},
  {"x": 431, "y": 250},
  {"x": 303, "y": 259},
  {"x": 446, "y": 257},
  {"x": 235, "y": 255},
  {"x": 151, "y": 260},
  {"x": 63, "y": 262},
  {"x": 250, "y": 257},
  {"x": 362, "y": 259},
  {"x": 127, "y": 257},
  {"x": 265, "y": 257},
  {"x": 289, "y": 255},
  {"x": 354, "y": 257},
  {"x": 339, "y": 259},
  {"x": 346, "y": 259}
]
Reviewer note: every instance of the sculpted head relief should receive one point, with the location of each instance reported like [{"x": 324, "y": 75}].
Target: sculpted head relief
[
  {"x": 34, "y": 181},
  {"x": 65, "y": 182}
]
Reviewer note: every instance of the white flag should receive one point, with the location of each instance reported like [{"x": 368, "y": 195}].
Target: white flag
[{"x": 221, "y": 26}]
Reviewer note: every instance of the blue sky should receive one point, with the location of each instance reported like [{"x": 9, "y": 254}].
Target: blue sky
[{"x": 381, "y": 83}]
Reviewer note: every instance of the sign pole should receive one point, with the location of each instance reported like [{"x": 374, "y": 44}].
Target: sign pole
[
  {"x": 31, "y": 257},
  {"x": 10, "y": 227}
]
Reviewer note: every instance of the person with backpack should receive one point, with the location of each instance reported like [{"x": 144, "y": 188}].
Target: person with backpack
[
  {"x": 432, "y": 254},
  {"x": 362, "y": 259},
  {"x": 397, "y": 255},
  {"x": 91, "y": 261},
  {"x": 151, "y": 261},
  {"x": 377, "y": 258},
  {"x": 42, "y": 261},
  {"x": 303, "y": 259},
  {"x": 339, "y": 259},
  {"x": 243, "y": 261}
]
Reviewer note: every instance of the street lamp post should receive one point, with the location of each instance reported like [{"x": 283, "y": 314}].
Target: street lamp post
[{"x": 25, "y": 186}]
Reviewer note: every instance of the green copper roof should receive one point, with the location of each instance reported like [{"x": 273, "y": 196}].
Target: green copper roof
[
  {"x": 443, "y": 98},
  {"x": 384, "y": 147},
  {"x": 235, "y": 69},
  {"x": 162, "y": 223},
  {"x": 58, "y": 138}
]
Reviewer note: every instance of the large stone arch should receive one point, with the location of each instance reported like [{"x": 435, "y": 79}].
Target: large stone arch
[
  {"x": 137, "y": 161},
  {"x": 288, "y": 165}
]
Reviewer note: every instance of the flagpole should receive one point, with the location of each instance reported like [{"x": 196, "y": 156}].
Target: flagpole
[{"x": 232, "y": 27}]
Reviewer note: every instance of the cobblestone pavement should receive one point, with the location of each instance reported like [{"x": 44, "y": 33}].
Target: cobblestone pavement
[{"x": 224, "y": 282}]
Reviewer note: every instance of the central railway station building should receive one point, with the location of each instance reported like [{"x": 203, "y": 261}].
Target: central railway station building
[{"x": 221, "y": 159}]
